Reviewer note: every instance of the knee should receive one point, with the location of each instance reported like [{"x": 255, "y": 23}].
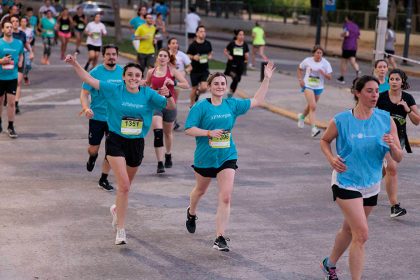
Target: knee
[
  {"x": 312, "y": 107},
  {"x": 158, "y": 142},
  {"x": 124, "y": 187},
  {"x": 225, "y": 197},
  {"x": 11, "y": 105},
  {"x": 360, "y": 236}
]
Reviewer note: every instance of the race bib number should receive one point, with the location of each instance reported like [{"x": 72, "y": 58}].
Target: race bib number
[
  {"x": 65, "y": 27},
  {"x": 50, "y": 32},
  {"x": 96, "y": 35},
  {"x": 222, "y": 142},
  {"x": 204, "y": 58},
  {"x": 131, "y": 126},
  {"x": 238, "y": 51},
  {"x": 81, "y": 26},
  {"x": 313, "y": 81}
]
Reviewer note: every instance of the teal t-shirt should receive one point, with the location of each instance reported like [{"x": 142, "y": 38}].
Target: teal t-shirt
[
  {"x": 47, "y": 26},
  {"x": 14, "y": 49},
  {"x": 130, "y": 114},
  {"x": 136, "y": 22},
  {"x": 212, "y": 153},
  {"x": 98, "y": 103},
  {"x": 384, "y": 87}
]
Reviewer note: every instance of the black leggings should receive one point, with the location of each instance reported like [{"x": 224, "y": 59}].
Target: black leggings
[
  {"x": 47, "y": 45},
  {"x": 235, "y": 81}
]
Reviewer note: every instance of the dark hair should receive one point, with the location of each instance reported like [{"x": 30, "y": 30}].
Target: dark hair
[
  {"x": 349, "y": 17},
  {"x": 109, "y": 46},
  {"x": 317, "y": 47},
  {"x": 172, "y": 58},
  {"x": 171, "y": 39},
  {"x": 215, "y": 75},
  {"x": 405, "y": 85},
  {"x": 129, "y": 65},
  {"x": 359, "y": 84},
  {"x": 25, "y": 18},
  {"x": 6, "y": 20},
  {"x": 14, "y": 16},
  {"x": 378, "y": 61},
  {"x": 139, "y": 9},
  {"x": 236, "y": 32},
  {"x": 257, "y": 23},
  {"x": 198, "y": 28},
  {"x": 192, "y": 9},
  {"x": 29, "y": 9},
  {"x": 97, "y": 14},
  {"x": 389, "y": 25}
]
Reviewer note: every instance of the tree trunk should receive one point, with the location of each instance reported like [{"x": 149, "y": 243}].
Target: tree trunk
[{"x": 117, "y": 26}]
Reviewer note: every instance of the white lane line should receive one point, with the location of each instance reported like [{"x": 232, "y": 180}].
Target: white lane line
[
  {"x": 29, "y": 96},
  {"x": 75, "y": 101}
]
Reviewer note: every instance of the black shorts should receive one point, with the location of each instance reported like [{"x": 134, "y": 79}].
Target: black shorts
[
  {"x": 97, "y": 130},
  {"x": 197, "y": 78},
  {"x": 349, "y": 194},
  {"x": 389, "y": 52},
  {"x": 348, "y": 54},
  {"x": 130, "y": 149},
  {"x": 146, "y": 60},
  {"x": 191, "y": 35},
  {"x": 212, "y": 172},
  {"x": 167, "y": 115},
  {"x": 8, "y": 86},
  {"x": 94, "y": 48}
]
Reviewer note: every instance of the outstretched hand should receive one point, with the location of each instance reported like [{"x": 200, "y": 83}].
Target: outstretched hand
[
  {"x": 71, "y": 59},
  {"x": 269, "y": 70}
]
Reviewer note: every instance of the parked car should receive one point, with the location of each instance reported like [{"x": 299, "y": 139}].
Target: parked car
[{"x": 90, "y": 9}]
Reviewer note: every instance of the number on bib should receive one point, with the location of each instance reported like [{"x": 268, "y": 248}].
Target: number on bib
[
  {"x": 222, "y": 142},
  {"x": 131, "y": 126}
]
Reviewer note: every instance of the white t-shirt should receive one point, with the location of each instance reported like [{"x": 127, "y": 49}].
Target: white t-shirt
[
  {"x": 44, "y": 8},
  {"x": 313, "y": 79},
  {"x": 182, "y": 60},
  {"x": 98, "y": 29},
  {"x": 191, "y": 22}
]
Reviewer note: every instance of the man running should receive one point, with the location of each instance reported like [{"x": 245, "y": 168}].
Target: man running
[
  {"x": 96, "y": 111},
  {"x": 146, "y": 51}
]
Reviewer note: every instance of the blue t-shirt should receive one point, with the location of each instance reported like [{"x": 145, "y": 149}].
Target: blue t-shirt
[
  {"x": 130, "y": 114},
  {"x": 384, "y": 87},
  {"x": 213, "y": 152},
  {"x": 163, "y": 9},
  {"x": 360, "y": 144},
  {"x": 14, "y": 49},
  {"x": 98, "y": 103},
  {"x": 136, "y": 22}
]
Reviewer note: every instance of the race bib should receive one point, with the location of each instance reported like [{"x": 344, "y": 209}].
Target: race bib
[
  {"x": 9, "y": 66},
  {"x": 81, "y": 26},
  {"x": 238, "y": 51},
  {"x": 50, "y": 32},
  {"x": 131, "y": 126},
  {"x": 204, "y": 58},
  {"x": 314, "y": 81},
  {"x": 96, "y": 35},
  {"x": 65, "y": 27},
  {"x": 222, "y": 142}
]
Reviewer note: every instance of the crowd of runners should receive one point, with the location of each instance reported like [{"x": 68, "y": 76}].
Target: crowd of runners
[{"x": 124, "y": 103}]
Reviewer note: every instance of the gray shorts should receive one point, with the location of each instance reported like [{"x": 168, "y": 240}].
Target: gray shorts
[{"x": 167, "y": 115}]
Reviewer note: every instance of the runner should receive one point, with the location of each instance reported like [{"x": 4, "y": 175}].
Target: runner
[
  {"x": 200, "y": 52},
  {"x": 399, "y": 104},
  {"x": 183, "y": 65},
  {"x": 258, "y": 44},
  {"x": 27, "y": 61},
  {"x": 357, "y": 173},
  {"x": 380, "y": 71},
  {"x": 46, "y": 25},
  {"x": 64, "y": 25},
  {"x": 80, "y": 22},
  {"x": 160, "y": 31},
  {"x": 146, "y": 51},
  {"x": 237, "y": 53},
  {"x": 316, "y": 69},
  {"x": 11, "y": 57},
  {"x": 192, "y": 21},
  {"x": 94, "y": 30},
  {"x": 164, "y": 74},
  {"x": 390, "y": 40},
  {"x": 211, "y": 121},
  {"x": 130, "y": 110},
  {"x": 135, "y": 22},
  {"x": 96, "y": 109}
]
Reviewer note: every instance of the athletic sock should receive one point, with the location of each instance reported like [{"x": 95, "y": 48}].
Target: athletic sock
[
  {"x": 93, "y": 158},
  {"x": 329, "y": 263},
  {"x": 10, "y": 125},
  {"x": 103, "y": 177}
]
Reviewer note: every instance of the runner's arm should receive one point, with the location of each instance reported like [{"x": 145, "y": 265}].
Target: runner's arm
[
  {"x": 182, "y": 82},
  {"x": 83, "y": 75},
  {"x": 196, "y": 132},
  {"x": 259, "y": 97},
  {"x": 330, "y": 134},
  {"x": 299, "y": 74},
  {"x": 84, "y": 101},
  {"x": 414, "y": 115},
  {"x": 394, "y": 142}
]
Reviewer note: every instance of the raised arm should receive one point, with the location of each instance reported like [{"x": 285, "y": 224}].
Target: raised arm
[
  {"x": 259, "y": 97},
  {"x": 82, "y": 73}
]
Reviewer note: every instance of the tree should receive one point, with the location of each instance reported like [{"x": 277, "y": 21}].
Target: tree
[{"x": 118, "y": 33}]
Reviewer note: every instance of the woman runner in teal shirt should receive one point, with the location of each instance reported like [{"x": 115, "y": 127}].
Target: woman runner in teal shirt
[
  {"x": 211, "y": 121},
  {"x": 130, "y": 111}
]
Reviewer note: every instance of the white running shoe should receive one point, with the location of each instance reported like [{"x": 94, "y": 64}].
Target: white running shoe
[
  {"x": 315, "y": 131},
  {"x": 113, "y": 210},
  {"x": 120, "y": 239},
  {"x": 301, "y": 121}
]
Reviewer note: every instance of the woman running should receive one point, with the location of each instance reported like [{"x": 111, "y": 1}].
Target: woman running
[
  {"x": 258, "y": 44},
  {"x": 30, "y": 34},
  {"x": 237, "y": 53},
  {"x": 80, "y": 22},
  {"x": 94, "y": 30},
  {"x": 364, "y": 135},
  {"x": 316, "y": 69},
  {"x": 211, "y": 122},
  {"x": 130, "y": 110},
  {"x": 164, "y": 75},
  {"x": 399, "y": 104},
  {"x": 160, "y": 31},
  {"x": 64, "y": 27},
  {"x": 47, "y": 25},
  {"x": 380, "y": 71}
]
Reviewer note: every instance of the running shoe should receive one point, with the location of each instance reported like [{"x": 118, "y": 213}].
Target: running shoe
[
  {"x": 168, "y": 160},
  {"x": 176, "y": 125},
  {"x": 90, "y": 164},
  {"x": 26, "y": 81},
  {"x": 358, "y": 74},
  {"x": 220, "y": 244},
  {"x": 105, "y": 185},
  {"x": 190, "y": 223},
  {"x": 1, "y": 128},
  {"x": 77, "y": 51},
  {"x": 160, "y": 168},
  {"x": 17, "y": 109},
  {"x": 330, "y": 272},
  {"x": 397, "y": 211},
  {"x": 12, "y": 132},
  {"x": 341, "y": 80},
  {"x": 113, "y": 210},
  {"x": 315, "y": 131},
  {"x": 252, "y": 67},
  {"x": 301, "y": 121},
  {"x": 121, "y": 238}
]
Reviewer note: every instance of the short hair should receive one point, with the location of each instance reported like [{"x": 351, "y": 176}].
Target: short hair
[
  {"x": 108, "y": 46},
  {"x": 132, "y": 64},
  {"x": 198, "y": 28},
  {"x": 317, "y": 47},
  {"x": 29, "y": 9},
  {"x": 6, "y": 20}
]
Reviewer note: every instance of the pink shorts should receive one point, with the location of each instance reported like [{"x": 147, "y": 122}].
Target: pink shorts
[{"x": 65, "y": 35}]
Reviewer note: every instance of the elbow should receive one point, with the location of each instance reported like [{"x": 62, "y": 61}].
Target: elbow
[{"x": 188, "y": 132}]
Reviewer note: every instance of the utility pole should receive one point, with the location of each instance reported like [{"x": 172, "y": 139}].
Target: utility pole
[
  {"x": 318, "y": 24},
  {"x": 408, "y": 29},
  {"x": 381, "y": 27},
  {"x": 186, "y": 33}
]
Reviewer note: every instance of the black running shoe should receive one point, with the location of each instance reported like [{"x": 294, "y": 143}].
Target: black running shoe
[
  {"x": 176, "y": 125},
  {"x": 17, "y": 110},
  {"x": 220, "y": 244},
  {"x": 1, "y": 129},
  {"x": 190, "y": 223},
  {"x": 12, "y": 132},
  {"x": 168, "y": 160},
  {"x": 105, "y": 185},
  {"x": 330, "y": 273},
  {"x": 90, "y": 164},
  {"x": 160, "y": 168},
  {"x": 397, "y": 211}
]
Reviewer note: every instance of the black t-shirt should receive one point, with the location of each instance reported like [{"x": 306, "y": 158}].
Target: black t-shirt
[
  {"x": 64, "y": 24},
  {"x": 20, "y": 35},
  {"x": 203, "y": 50},
  {"x": 237, "y": 51},
  {"x": 397, "y": 112},
  {"x": 79, "y": 22}
]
